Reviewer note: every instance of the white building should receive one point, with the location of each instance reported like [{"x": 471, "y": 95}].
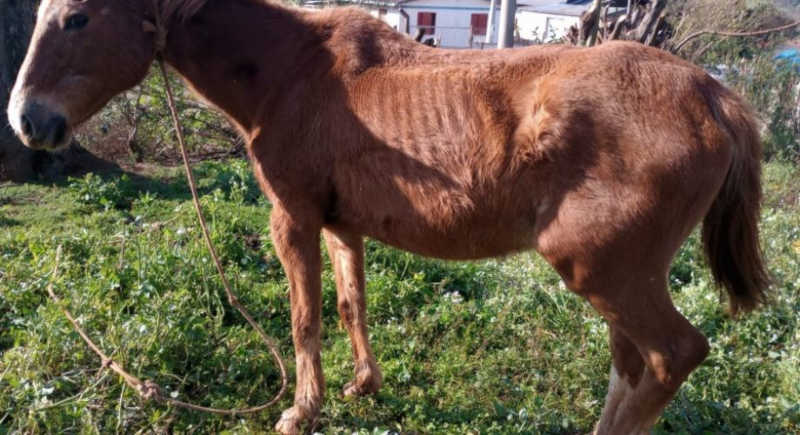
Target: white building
[
  {"x": 386, "y": 10},
  {"x": 464, "y": 23},
  {"x": 451, "y": 23},
  {"x": 541, "y": 21}
]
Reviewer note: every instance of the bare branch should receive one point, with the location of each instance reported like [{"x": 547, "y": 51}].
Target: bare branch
[{"x": 733, "y": 34}]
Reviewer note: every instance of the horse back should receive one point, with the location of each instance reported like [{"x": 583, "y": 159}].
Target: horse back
[{"x": 460, "y": 156}]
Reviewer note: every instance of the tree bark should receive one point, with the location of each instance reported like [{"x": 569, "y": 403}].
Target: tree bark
[
  {"x": 642, "y": 21},
  {"x": 17, "y": 162},
  {"x": 16, "y": 24}
]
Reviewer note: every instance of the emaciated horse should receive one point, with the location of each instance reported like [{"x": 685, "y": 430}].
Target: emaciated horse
[{"x": 603, "y": 160}]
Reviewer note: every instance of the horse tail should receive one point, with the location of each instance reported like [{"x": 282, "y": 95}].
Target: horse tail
[{"x": 730, "y": 229}]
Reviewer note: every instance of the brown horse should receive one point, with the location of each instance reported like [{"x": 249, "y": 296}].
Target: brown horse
[{"x": 602, "y": 159}]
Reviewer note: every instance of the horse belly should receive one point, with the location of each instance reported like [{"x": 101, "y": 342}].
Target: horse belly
[
  {"x": 442, "y": 223},
  {"x": 458, "y": 243}
]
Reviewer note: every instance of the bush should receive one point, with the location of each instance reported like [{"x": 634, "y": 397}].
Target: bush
[
  {"x": 98, "y": 194},
  {"x": 137, "y": 125},
  {"x": 773, "y": 88},
  {"x": 691, "y": 16}
]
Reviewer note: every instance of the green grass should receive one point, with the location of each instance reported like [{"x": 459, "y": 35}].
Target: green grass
[{"x": 491, "y": 347}]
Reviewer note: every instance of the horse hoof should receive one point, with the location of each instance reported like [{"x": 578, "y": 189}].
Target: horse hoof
[
  {"x": 287, "y": 426},
  {"x": 368, "y": 381},
  {"x": 352, "y": 389},
  {"x": 291, "y": 421}
]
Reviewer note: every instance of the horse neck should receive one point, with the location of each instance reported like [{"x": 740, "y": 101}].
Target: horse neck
[{"x": 242, "y": 55}]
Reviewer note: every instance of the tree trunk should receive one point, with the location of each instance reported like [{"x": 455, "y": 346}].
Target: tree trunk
[
  {"x": 642, "y": 21},
  {"x": 16, "y": 18},
  {"x": 18, "y": 163}
]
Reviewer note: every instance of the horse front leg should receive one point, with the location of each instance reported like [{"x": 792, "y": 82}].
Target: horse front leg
[
  {"x": 297, "y": 246},
  {"x": 346, "y": 252}
]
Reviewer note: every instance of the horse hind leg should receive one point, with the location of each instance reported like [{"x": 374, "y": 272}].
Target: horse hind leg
[
  {"x": 654, "y": 350},
  {"x": 627, "y": 367},
  {"x": 346, "y": 252}
]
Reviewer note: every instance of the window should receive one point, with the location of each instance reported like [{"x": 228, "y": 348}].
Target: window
[
  {"x": 427, "y": 22},
  {"x": 478, "y": 24}
]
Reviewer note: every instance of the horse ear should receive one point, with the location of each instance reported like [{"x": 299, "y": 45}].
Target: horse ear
[{"x": 149, "y": 27}]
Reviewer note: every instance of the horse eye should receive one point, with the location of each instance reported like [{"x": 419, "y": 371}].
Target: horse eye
[{"x": 76, "y": 22}]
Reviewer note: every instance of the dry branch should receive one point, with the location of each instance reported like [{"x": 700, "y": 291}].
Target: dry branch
[{"x": 694, "y": 35}]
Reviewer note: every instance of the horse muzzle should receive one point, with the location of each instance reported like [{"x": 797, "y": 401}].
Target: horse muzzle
[{"x": 40, "y": 128}]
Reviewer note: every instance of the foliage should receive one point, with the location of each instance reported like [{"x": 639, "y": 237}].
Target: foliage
[
  {"x": 691, "y": 16},
  {"x": 137, "y": 125},
  {"x": 492, "y": 347},
  {"x": 773, "y": 88}
]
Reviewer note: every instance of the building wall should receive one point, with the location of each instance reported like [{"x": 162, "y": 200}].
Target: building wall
[
  {"x": 392, "y": 17},
  {"x": 453, "y": 24},
  {"x": 540, "y": 27}
]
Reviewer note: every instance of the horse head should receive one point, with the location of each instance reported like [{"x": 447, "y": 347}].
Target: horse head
[{"x": 82, "y": 53}]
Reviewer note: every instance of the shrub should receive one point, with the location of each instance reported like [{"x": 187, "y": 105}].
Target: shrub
[{"x": 773, "y": 88}]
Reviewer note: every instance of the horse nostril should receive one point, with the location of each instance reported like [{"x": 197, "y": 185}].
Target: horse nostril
[
  {"x": 59, "y": 129},
  {"x": 27, "y": 126},
  {"x": 43, "y": 128}
]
